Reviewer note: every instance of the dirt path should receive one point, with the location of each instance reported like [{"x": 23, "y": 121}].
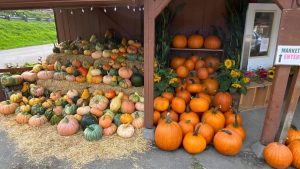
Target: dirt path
[{"x": 25, "y": 54}]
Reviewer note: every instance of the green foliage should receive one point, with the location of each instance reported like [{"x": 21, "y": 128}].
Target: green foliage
[
  {"x": 29, "y": 13},
  {"x": 16, "y": 33},
  {"x": 165, "y": 80}
]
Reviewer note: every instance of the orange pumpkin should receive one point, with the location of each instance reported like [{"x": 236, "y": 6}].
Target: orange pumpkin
[
  {"x": 126, "y": 118},
  {"x": 195, "y": 41},
  {"x": 105, "y": 121},
  {"x": 193, "y": 142},
  {"x": 67, "y": 126},
  {"x": 76, "y": 63},
  {"x": 168, "y": 95},
  {"x": 200, "y": 63},
  {"x": 186, "y": 126},
  {"x": 228, "y": 142},
  {"x": 97, "y": 112},
  {"x": 199, "y": 105},
  {"x": 161, "y": 104},
  {"x": 223, "y": 99},
  {"x": 178, "y": 104},
  {"x": 237, "y": 128},
  {"x": 190, "y": 116},
  {"x": 179, "y": 41},
  {"x": 182, "y": 71},
  {"x": 202, "y": 73},
  {"x": 191, "y": 80},
  {"x": 232, "y": 117},
  {"x": 195, "y": 88},
  {"x": 293, "y": 134},
  {"x": 213, "y": 62},
  {"x": 80, "y": 79},
  {"x": 23, "y": 118},
  {"x": 177, "y": 61},
  {"x": 168, "y": 135},
  {"x": 278, "y": 155},
  {"x": 211, "y": 86},
  {"x": 295, "y": 149},
  {"x": 97, "y": 79},
  {"x": 194, "y": 58},
  {"x": 206, "y": 131},
  {"x": 37, "y": 120},
  {"x": 190, "y": 64},
  {"x": 205, "y": 96},
  {"x": 182, "y": 93},
  {"x": 110, "y": 94},
  {"x": 215, "y": 118},
  {"x": 173, "y": 116},
  {"x": 156, "y": 117},
  {"x": 212, "y": 42},
  {"x": 210, "y": 70}
]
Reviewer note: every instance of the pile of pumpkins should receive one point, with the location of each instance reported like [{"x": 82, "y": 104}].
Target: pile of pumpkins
[
  {"x": 278, "y": 155},
  {"x": 196, "y": 41},
  {"x": 97, "y": 114}
]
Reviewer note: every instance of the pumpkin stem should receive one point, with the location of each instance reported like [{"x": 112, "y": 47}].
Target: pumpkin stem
[
  {"x": 197, "y": 130},
  {"x": 226, "y": 131},
  {"x": 216, "y": 109},
  {"x": 168, "y": 118},
  {"x": 294, "y": 127},
  {"x": 91, "y": 128}
]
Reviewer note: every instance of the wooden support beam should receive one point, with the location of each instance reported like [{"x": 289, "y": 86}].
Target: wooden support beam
[
  {"x": 152, "y": 9},
  {"x": 284, "y": 4},
  {"x": 274, "y": 110},
  {"x": 290, "y": 109}
]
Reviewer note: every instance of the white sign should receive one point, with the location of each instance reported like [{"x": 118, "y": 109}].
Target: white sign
[
  {"x": 264, "y": 45},
  {"x": 287, "y": 55}
]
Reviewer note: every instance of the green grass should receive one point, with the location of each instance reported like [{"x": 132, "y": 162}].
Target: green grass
[
  {"x": 29, "y": 13},
  {"x": 15, "y": 33}
]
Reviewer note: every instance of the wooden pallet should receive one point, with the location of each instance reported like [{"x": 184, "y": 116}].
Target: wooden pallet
[{"x": 257, "y": 96}]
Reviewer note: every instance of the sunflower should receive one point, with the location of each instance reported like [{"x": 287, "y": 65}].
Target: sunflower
[
  {"x": 236, "y": 85},
  {"x": 235, "y": 73},
  {"x": 246, "y": 80},
  {"x": 157, "y": 78},
  {"x": 228, "y": 63},
  {"x": 271, "y": 73},
  {"x": 173, "y": 80}
]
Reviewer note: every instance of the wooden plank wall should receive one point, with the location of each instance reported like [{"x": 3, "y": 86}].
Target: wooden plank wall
[{"x": 125, "y": 22}]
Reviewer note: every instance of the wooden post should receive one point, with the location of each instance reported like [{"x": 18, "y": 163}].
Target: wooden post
[
  {"x": 152, "y": 9},
  {"x": 274, "y": 112},
  {"x": 290, "y": 109}
]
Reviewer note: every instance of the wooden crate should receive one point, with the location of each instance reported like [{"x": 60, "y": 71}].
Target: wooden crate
[{"x": 257, "y": 96}]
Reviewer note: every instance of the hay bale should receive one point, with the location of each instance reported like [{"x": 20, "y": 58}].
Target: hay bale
[
  {"x": 41, "y": 143},
  {"x": 64, "y": 86}
]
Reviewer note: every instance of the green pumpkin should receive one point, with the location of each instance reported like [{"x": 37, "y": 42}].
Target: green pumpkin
[
  {"x": 138, "y": 114},
  {"x": 37, "y": 109},
  {"x": 13, "y": 80},
  {"x": 121, "y": 59},
  {"x": 74, "y": 99},
  {"x": 47, "y": 93},
  {"x": 117, "y": 120},
  {"x": 70, "y": 109},
  {"x": 57, "y": 66},
  {"x": 137, "y": 80},
  {"x": 76, "y": 73},
  {"x": 56, "y": 119},
  {"x": 114, "y": 83},
  {"x": 135, "y": 97},
  {"x": 87, "y": 120},
  {"x": 131, "y": 56},
  {"x": 49, "y": 113},
  {"x": 60, "y": 102},
  {"x": 93, "y": 132},
  {"x": 113, "y": 72},
  {"x": 109, "y": 113}
]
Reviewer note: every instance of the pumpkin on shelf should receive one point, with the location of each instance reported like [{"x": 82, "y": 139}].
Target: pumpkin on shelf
[
  {"x": 179, "y": 41},
  {"x": 195, "y": 41},
  {"x": 214, "y": 118},
  {"x": 212, "y": 62},
  {"x": 199, "y": 64},
  {"x": 93, "y": 132},
  {"x": 278, "y": 155},
  {"x": 6, "y": 107},
  {"x": 295, "y": 149},
  {"x": 193, "y": 142},
  {"x": 67, "y": 126},
  {"x": 227, "y": 142},
  {"x": 168, "y": 134},
  {"x": 177, "y": 61},
  {"x": 182, "y": 71},
  {"x": 223, "y": 99},
  {"x": 202, "y": 73},
  {"x": 212, "y": 42}
]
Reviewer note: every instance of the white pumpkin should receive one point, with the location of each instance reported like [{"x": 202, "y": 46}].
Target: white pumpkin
[
  {"x": 83, "y": 110},
  {"x": 106, "y": 53},
  {"x": 125, "y": 130},
  {"x": 96, "y": 72},
  {"x": 72, "y": 93},
  {"x": 97, "y": 54},
  {"x": 107, "y": 79},
  {"x": 139, "y": 106}
]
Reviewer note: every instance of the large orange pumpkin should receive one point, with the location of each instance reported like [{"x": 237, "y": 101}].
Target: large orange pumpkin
[
  {"x": 195, "y": 41},
  {"x": 228, "y": 142},
  {"x": 186, "y": 126},
  {"x": 168, "y": 135},
  {"x": 295, "y": 149},
  {"x": 193, "y": 142},
  {"x": 178, "y": 104},
  {"x": 182, "y": 93},
  {"x": 278, "y": 155},
  {"x": 206, "y": 131},
  {"x": 223, "y": 99},
  {"x": 161, "y": 104},
  {"x": 179, "y": 41},
  {"x": 202, "y": 73},
  {"x": 214, "y": 118},
  {"x": 182, "y": 71},
  {"x": 211, "y": 86},
  {"x": 199, "y": 105},
  {"x": 213, "y": 62},
  {"x": 212, "y": 42},
  {"x": 177, "y": 61}
]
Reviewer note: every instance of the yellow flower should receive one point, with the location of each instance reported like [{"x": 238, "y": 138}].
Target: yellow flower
[
  {"x": 157, "y": 78},
  {"x": 228, "y": 63},
  {"x": 173, "y": 80},
  {"x": 271, "y": 73},
  {"x": 235, "y": 73},
  {"x": 246, "y": 79},
  {"x": 236, "y": 85},
  {"x": 155, "y": 64},
  {"x": 233, "y": 62}
]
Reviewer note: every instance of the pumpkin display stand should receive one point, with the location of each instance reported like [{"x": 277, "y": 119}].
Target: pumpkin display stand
[
  {"x": 64, "y": 86},
  {"x": 43, "y": 142}
]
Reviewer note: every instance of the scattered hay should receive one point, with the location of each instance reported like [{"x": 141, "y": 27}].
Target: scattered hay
[
  {"x": 64, "y": 86},
  {"x": 40, "y": 143}
]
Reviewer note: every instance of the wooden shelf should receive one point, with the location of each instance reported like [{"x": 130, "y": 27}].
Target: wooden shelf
[{"x": 202, "y": 49}]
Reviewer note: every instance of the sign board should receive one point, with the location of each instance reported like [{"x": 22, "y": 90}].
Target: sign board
[{"x": 287, "y": 55}]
